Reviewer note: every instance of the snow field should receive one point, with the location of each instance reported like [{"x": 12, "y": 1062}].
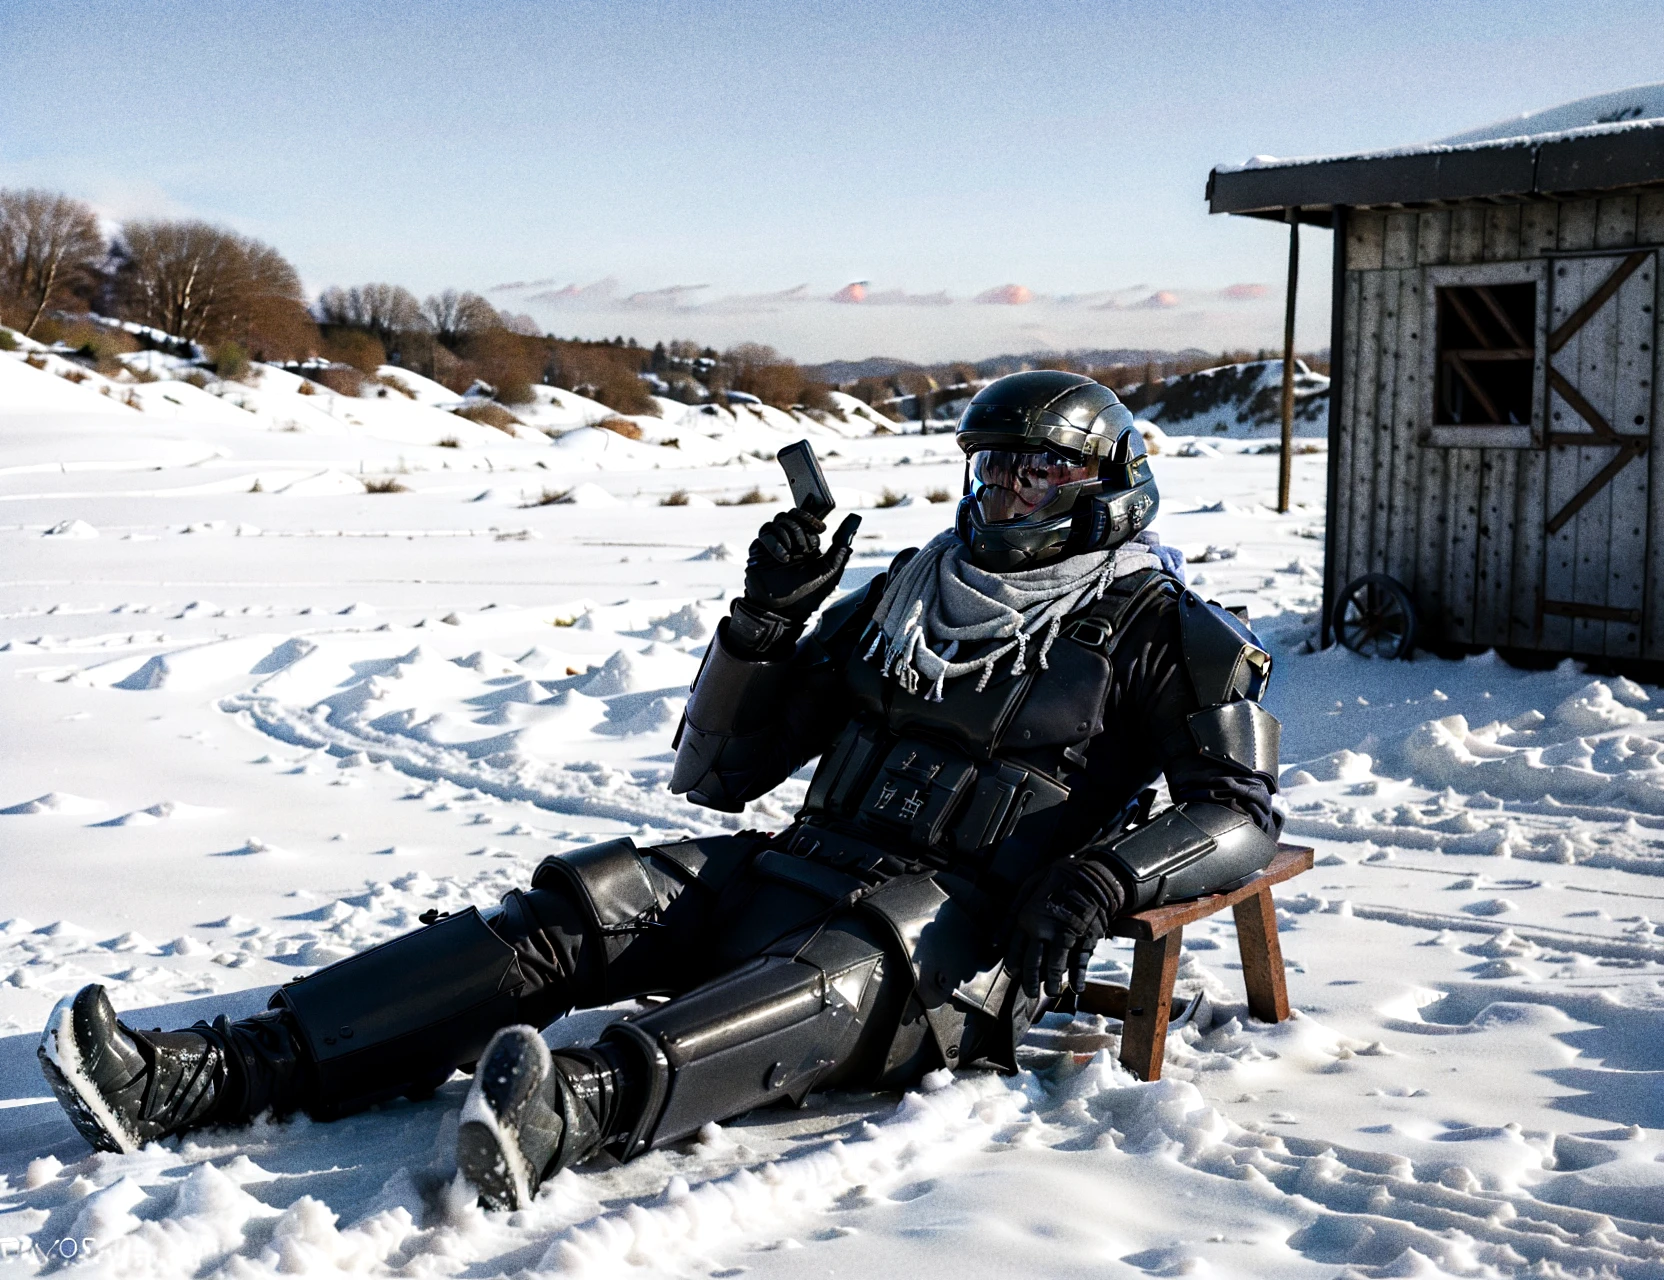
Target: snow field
[{"x": 251, "y": 732}]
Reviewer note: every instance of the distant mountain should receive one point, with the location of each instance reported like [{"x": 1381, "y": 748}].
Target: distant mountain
[
  {"x": 841, "y": 371},
  {"x": 1088, "y": 357},
  {"x": 838, "y": 372}
]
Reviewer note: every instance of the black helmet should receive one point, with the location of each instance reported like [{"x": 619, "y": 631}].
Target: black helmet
[{"x": 1056, "y": 466}]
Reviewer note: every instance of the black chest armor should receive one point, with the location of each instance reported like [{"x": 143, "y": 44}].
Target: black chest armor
[{"x": 974, "y": 782}]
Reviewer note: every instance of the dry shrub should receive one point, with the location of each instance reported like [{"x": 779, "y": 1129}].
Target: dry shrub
[
  {"x": 343, "y": 380},
  {"x": 510, "y": 362},
  {"x": 387, "y": 484},
  {"x": 35, "y": 361},
  {"x": 231, "y": 361},
  {"x": 763, "y": 372},
  {"x": 131, "y": 400},
  {"x": 449, "y": 442},
  {"x": 196, "y": 378},
  {"x": 678, "y": 498},
  {"x": 620, "y": 427},
  {"x": 397, "y": 384},
  {"x": 307, "y": 388},
  {"x": 488, "y": 415},
  {"x": 98, "y": 343},
  {"x": 750, "y": 498},
  {"x": 890, "y": 498},
  {"x": 548, "y": 498},
  {"x": 73, "y": 375},
  {"x": 602, "y": 372},
  {"x": 356, "y": 349},
  {"x": 8, "y": 340},
  {"x": 938, "y": 495}
]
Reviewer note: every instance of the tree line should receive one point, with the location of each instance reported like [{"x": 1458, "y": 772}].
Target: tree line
[{"x": 236, "y": 298}]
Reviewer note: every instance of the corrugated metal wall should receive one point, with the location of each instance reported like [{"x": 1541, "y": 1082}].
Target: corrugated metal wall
[{"x": 1465, "y": 528}]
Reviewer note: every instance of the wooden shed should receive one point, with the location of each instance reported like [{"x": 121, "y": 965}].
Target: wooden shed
[{"x": 1494, "y": 405}]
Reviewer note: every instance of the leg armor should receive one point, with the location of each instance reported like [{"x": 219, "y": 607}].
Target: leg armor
[
  {"x": 399, "y": 1018},
  {"x": 403, "y": 1015},
  {"x": 771, "y": 1030}
]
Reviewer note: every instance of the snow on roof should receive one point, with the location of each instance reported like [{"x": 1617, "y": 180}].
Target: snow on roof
[
  {"x": 1639, "y": 102},
  {"x": 1639, "y": 107},
  {"x": 1599, "y": 143}
]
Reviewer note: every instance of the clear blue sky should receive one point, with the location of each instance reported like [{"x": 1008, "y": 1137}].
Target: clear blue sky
[{"x": 754, "y": 148}]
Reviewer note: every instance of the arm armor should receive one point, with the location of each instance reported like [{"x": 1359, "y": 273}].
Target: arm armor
[
  {"x": 1229, "y": 670},
  {"x": 1225, "y": 660},
  {"x": 1192, "y": 849},
  {"x": 728, "y": 731}
]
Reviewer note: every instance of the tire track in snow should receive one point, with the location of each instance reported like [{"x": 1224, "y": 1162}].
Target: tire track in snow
[{"x": 557, "y": 790}]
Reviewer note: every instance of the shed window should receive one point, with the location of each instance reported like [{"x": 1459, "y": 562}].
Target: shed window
[{"x": 1486, "y": 354}]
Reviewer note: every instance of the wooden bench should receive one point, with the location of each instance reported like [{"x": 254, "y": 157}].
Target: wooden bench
[{"x": 1159, "y": 934}]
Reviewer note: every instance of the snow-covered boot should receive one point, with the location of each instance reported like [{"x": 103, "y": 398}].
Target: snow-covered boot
[
  {"x": 531, "y": 1113},
  {"x": 123, "y": 1088}
]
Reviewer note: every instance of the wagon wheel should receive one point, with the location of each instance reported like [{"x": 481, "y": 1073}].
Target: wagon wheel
[{"x": 1374, "y": 617}]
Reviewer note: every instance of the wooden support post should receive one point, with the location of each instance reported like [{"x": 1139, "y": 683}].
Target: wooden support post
[
  {"x": 1285, "y": 470},
  {"x": 1262, "y": 956},
  {"x": 1155, "y": 964}
]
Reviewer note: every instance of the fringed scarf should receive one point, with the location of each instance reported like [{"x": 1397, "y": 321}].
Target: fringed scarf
[{"x": 939, "y": 602}]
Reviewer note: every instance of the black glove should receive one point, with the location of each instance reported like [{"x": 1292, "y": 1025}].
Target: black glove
[
  {"x": 1063, "y": 918},
  {"x": 787, "y": 578}
]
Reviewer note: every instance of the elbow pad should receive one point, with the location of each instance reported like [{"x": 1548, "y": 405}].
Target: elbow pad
[
  {"x": 1192, "y": 849},
  {"x": 1240, "y": 733},
  {"x": 734, "y": 706}
]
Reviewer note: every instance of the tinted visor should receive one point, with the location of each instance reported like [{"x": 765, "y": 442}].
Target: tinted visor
[{"x": 1010, "y": 485}]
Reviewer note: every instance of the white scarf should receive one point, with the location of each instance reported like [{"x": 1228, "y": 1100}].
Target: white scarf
[{"x": 939, "y": 600}]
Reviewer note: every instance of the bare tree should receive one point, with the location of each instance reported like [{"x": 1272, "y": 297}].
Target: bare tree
[
  {"x": 381, "y": 310},
  {"x": 205, "y": 284},
  {"x": 48, "y": 244},
  {"x": 454, "y": 316}
]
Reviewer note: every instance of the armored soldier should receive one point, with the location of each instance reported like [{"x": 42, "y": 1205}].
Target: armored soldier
[{"x": 989, "y": 718}]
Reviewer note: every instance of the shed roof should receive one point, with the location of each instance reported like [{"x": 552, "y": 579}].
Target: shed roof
[{"x": 1598, "y": 143}]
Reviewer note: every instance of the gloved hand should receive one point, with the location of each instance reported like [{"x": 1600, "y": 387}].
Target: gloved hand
[
  {"x": 1062, "y": 920},
  {"x": 787, "y": 578}
]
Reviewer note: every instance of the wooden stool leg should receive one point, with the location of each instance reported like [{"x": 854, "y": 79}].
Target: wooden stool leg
[
  {"x": 1155, "y": 963},
  {"x": 1262, "y": 956}
]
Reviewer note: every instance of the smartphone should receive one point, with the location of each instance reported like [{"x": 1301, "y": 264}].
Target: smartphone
[{"x": 810, "y": 492}]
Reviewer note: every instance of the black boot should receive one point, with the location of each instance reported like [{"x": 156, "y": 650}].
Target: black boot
[
  {"x": 123, "y": 1088},
  {"x": 531, "y": 1113}
]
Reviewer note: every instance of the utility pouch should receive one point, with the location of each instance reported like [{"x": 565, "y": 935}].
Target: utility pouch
[
  {"x": 843, "y": 771},
  {"x": 917, "y": 790},
  {"x": 995, "y": 806}
]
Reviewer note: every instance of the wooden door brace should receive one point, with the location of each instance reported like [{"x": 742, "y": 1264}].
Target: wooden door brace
[{"x": 1629, "y": 447}]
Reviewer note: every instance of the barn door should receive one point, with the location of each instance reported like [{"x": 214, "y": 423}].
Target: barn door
[{"x": 1599, "y": 406}]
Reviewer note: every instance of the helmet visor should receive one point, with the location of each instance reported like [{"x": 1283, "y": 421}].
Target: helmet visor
[{"x": 1013, "y": 485}]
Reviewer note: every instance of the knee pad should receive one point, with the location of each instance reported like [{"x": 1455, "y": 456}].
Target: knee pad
[
  {"x": 623, "y": 892},
  {"x": 766, "y": 1032}
]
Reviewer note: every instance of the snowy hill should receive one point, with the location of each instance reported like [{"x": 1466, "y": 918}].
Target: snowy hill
[
  {"x": 247, "y": 729},
  {"x": 1240, "y": 401}
]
